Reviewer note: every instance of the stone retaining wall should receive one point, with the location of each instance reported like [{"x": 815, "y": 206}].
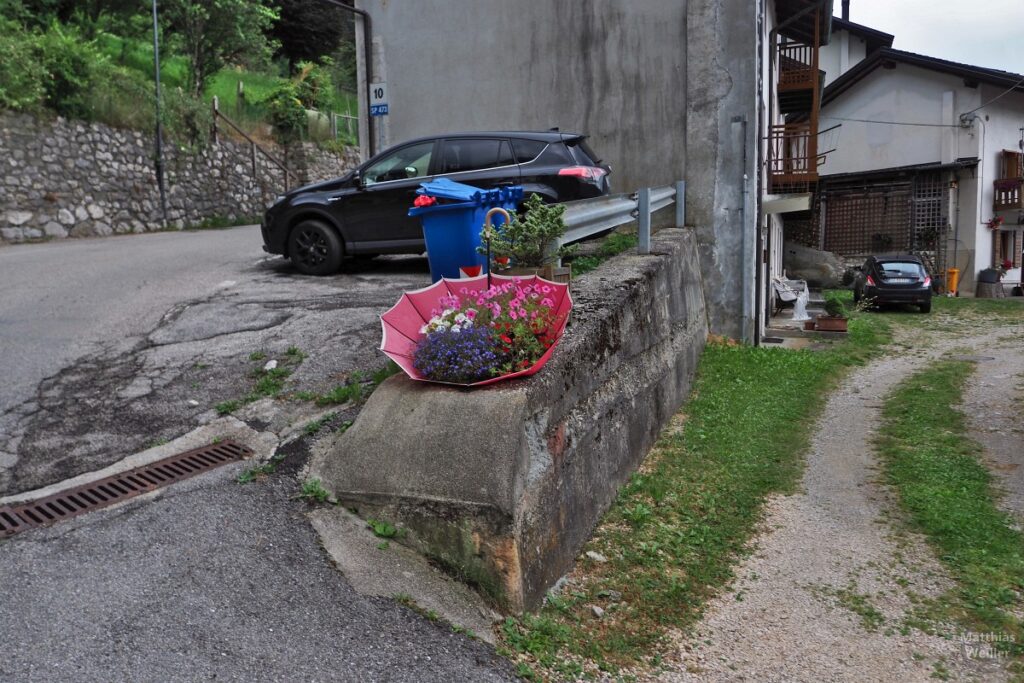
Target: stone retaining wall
[
  {"x": 505, "y": 484},
  {"x": 64, "y": 178}
]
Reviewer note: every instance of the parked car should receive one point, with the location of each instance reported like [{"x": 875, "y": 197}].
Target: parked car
[
  {"x": 365, "y": 213},
  {"x": 896, "y": 279}
]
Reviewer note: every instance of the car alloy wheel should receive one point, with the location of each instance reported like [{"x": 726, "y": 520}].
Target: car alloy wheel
[{"x": 315, "y": 248}]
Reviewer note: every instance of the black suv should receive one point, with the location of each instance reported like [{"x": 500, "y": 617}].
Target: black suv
[{"x": 365, "y": 213}]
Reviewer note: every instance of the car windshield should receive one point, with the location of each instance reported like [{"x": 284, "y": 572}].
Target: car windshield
[
  {"x": 901, "y": 269},
  {"x": 409, "y": 162}
]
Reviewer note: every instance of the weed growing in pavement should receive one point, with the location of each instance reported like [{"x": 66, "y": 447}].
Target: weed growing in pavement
[
  {"x": 160, "y": 441},
  {"x": 350, "y": 391},
  {"x": 313, "y": 490},
  {"x": 382, "y": 529},
  {"x": 948, "y": 495},
  {"x": 268, "y": 383},
  {"x": 257, "y": 355},
  {"x": 295, "y": 354},
  {"x": 383, "y": 545},
  {"x": 228, "y": 407},
  {"x": 260, "y": 471},
  {"x": 678, "y": 526},
  {"x": 858, "y": 603},
  {"x": 315, "y": 426}
]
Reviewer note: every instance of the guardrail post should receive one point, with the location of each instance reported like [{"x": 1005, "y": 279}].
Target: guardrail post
[
  {"x": 681, "y": 204},
  {"x": 644, "y": 218}
]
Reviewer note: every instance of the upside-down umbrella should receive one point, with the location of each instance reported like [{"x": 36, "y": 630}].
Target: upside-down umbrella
[{"x": 402, "y": 323}]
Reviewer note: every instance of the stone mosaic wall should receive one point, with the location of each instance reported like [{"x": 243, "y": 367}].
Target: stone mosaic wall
[{"x": 63, "y": 178}]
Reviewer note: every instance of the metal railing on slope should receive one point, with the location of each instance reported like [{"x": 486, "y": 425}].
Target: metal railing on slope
[
  {"x": 253, "y": 145},
  {"x": 586, "y": 217}
]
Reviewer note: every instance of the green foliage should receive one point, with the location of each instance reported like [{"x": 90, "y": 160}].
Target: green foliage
[
  {"x": 287, "y": 114},
  {"x": 22, "y": 77},
  {"x": 530, "y": 240},
  {"x": 313, "y": 85},
  {"x": 309, "y": 30},
  {"x": 612, "y": 245},
  {"x": 313, "y": 490},
  {"x": 382, "y": 529},
  {"x": 214, "y": 33},
  {"x": 948, "y": 493},
  {"x": 834, "y": 307}
]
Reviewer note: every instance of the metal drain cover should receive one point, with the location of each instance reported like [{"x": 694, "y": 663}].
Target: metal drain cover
[{"x": 116, "y": 488}]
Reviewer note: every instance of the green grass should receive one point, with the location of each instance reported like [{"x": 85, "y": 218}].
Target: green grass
[
  {"x": 678, "y": 526},
  {"x": 947, "y": 494},
  {"x": 613, "y": 244}
]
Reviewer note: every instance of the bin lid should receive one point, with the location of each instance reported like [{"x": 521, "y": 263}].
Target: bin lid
[
  {"x": 449, "y": 189},
  {"x": 444, "y": 188}
]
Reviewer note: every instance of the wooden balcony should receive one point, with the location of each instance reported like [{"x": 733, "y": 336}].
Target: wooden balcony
[
  {"x": 798, "y": 67},
  {"x": 792, "y": 156},
  {"x": 1008, "y": 195}
]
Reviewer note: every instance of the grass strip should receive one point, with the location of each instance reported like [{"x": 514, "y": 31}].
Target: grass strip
[
  {"x": 678, "y": 526},
  {"x": 948, "y": 495}
]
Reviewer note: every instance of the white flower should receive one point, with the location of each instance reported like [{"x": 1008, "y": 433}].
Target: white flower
[
  {"x": 460, "y": 318},
  {"x": 456, "y": 328}
]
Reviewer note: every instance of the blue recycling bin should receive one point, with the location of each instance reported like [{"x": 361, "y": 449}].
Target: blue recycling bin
[{"x": 451, "y": 228}]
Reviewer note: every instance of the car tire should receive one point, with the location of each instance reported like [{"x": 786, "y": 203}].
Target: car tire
[
  {"x": 926, "y": 308},
  {"x": 315, "y": 248}
]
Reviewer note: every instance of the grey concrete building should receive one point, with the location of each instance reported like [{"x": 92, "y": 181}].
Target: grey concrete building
[{"x": 667, "y": 89}]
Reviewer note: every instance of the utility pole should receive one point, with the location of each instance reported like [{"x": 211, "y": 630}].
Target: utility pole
[{"x": 159, "y": 123}]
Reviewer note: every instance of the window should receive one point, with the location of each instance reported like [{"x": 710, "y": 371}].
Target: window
[
  {"x": 475, "y": 154},
  {"x": 901, "y": 269},
  {"x": 528, "y": 150},
  {"x": 408, "y": 162}
]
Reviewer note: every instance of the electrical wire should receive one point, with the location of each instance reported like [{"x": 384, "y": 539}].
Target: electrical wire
[
  {"x": 892, "y": 123},
  {"x": 1005, "y": 92}
]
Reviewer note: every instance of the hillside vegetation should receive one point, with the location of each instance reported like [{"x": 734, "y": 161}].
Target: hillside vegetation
[{"x": 94, "y": 61}]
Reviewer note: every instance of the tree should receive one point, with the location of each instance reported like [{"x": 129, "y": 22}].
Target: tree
[
  {"x": 310, "y": 29},
  {"x": 213, "y": 33}
]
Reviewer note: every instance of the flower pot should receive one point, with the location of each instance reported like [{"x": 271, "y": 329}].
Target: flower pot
[
  {"x": 809, "y": 325},
  {"x": 550, "y": 273},
  {"x": 829, "y": 324}
]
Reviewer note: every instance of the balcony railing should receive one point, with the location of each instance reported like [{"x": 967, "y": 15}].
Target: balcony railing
[
  {"x": 1008, "y": 194},
  {"x": 792, "y": 154},
  {"x": 798, "y": 66}
]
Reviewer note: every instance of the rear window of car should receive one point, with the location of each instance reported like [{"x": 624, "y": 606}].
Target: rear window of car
[
  {"x": 527, "y": 150},
  {"x": 583, "y": 153},
  {"x": 473, "y": 154},
  {"x": 901, "y": 268}
]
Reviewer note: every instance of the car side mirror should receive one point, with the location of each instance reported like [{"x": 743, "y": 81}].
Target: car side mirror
[{"x": 357, "y": 180}]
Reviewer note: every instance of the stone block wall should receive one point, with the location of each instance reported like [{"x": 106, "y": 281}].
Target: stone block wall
[
  {"x": 64, "y": 178},
  {"x": 503, "y": 485}
]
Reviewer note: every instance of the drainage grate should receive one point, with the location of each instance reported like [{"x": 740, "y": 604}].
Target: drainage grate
[{"x": 105, "y": 492}]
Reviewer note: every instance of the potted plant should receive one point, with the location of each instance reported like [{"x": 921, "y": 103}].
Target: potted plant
[
  {"x": 835, "y": 319},
  {"x": 529, "y": 245}
]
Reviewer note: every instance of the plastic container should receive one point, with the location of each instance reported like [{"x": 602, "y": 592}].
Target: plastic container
[
  {"x": 451, "y": 228},
  {"x": 952, "y": 280}
]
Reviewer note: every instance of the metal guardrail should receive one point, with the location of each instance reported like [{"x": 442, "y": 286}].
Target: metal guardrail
[{"x": 586, "y": 217}]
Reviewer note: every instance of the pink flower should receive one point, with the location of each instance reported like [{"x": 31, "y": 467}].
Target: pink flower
[
  {"x": 471, "y": 313},
  {"x": 479, "y": 302},
  {"x": 512, "y": 314}
]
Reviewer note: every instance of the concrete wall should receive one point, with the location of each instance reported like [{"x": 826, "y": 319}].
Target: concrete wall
[
  {"x": 65, "y": 178},
  {"x": 843, "y": 52},
  {"x": 505, "y": 484},
  {"x": 721, "y": 139},
  {"x": 615, "y": 69}
]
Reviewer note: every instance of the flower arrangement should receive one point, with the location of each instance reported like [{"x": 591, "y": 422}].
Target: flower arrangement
[
  {"x": 995, "y": 222},
  {"x": 484, "y": 333}
]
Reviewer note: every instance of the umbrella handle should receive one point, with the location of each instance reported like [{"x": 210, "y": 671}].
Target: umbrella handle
[{"x": 487, "y": 233}]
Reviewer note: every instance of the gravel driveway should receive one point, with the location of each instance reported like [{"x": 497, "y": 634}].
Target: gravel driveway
[{"x": 824, "y": 593}]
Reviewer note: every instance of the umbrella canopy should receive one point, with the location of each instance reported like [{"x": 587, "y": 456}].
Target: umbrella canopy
[{"x": 402, "y": 323}]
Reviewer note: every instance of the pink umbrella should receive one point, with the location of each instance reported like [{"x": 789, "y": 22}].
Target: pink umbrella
[{"x": 402, "y": 323}]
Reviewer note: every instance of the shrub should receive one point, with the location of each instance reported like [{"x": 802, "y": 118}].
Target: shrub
[
  {"x": 72, "y": 66},
  {"x": 286, "y": 111},
  {"x": 529, "y": 240},
  {"x": 22, "y": 76},
  {"x": 834, "y": 307}
]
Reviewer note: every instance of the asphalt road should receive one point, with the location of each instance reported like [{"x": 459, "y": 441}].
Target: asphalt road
[
  {"x": 107, "y": 345},
  {"x": 111, "y": 344},
  {"x": 63, "y": 300}
]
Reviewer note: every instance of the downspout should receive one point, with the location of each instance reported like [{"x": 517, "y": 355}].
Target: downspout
[
  {"x": 368, "y": 61},
  {"x": 759, "y": 178}
]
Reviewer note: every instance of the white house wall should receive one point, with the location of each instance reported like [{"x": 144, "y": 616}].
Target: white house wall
[
  {"x": 905, "y": 94},
  {"x": 843, "y": 52}
]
